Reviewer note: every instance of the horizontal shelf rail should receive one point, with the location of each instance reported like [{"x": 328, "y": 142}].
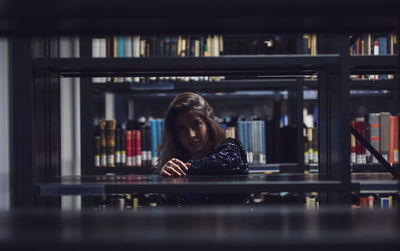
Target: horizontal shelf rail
[
  {"x": 177, "y": 66},
  {"x": 382, "y": 64},
  {"x": 195, "y": 184},
  {"x": 204, "y": 86}
]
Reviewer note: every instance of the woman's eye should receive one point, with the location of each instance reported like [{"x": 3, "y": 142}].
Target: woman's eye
[{"x": 196, "y": 123}]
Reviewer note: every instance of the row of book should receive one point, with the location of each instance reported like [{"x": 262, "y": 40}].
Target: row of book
[
  {"x": 374, "y": 44},
  {"x": 135, "y": 146},
  {"x": 382, "y": 131},
  {"x": 252, "y": 135},
  {"x": 310, "y": 132},
  {"x": 271, "y": 44},
  {"x": 155, "y": 46},
  {"x": 376, "y": 201}
]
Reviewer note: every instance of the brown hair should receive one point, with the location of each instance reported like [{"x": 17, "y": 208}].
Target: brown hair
[{"x": 188, "y": 101}]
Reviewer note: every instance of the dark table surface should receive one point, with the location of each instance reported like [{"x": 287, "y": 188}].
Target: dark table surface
[{"x": 205, "y": 228}]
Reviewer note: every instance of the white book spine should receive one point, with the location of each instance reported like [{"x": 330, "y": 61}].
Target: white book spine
[
  {"x": 136, "y": 52},
  {"x": 96, "y": 54},
  {"x": 102, "y": 54}
]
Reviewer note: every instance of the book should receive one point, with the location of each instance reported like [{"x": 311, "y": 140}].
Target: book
[
  {"x": 374, "y": 124},
  {"x": 353, "y": 154},
  {"x": 384, "y": 134},
  {"x": 97, "y": 150},
  {"x": 129, "y": 150},
  {"x": 110, "y": 126},
  {"x": 393, "y": 139}
]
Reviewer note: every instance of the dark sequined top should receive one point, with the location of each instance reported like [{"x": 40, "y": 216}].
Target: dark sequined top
[{"x": 228, "y": 157}]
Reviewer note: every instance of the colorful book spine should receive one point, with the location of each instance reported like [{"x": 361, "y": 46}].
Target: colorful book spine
[
  {"x": 97, "y": 151},
  {"x": 117, "y": 147},
  {"x": 153, "y": 136},
  {"x": 374, "y": 125},
  {"x": 103, "y": 157},
  {"x": 384, "y": 134},
  {"x": 123, "y": 145},
  {"x": 353, "y": 154},
  {"x": 360, "y": 149},
  {"x": 393, "y": 140},
  {"x": 138, "y": 152},
  {"x": 134, "y": 146},
  {"x": 387, "y": 202},
  {"x": 110, "y": 142},
  {"x": 129, "y": 152}
]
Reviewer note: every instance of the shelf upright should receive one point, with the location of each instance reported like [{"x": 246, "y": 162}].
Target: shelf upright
[
  {"x": 87, "y": 110},
  {"x": 334, "y": 132}
]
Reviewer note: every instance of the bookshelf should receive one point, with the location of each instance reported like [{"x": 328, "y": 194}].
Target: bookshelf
[{"x": 333, "y": 65}]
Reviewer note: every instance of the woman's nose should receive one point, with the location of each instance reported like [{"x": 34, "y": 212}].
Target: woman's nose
[{"x": 192, "y": 133}]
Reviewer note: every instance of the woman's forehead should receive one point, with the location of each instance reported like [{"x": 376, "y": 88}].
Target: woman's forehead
[{"x": 186, "y": 117}]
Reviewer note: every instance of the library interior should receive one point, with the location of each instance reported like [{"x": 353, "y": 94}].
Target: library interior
[{"x": 174, "y": 125}]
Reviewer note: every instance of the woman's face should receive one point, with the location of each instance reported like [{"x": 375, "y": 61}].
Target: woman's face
[{"x": 192, "y": 132}]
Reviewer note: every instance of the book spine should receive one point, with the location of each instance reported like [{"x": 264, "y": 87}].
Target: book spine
[
  {"x": 134, "y": 146},
  {"x": 138, "y": 149},
  {"x": 384, "y": 134},
  {"x": 153, "y": 135},
  {"x": 393, "y": 140},
  {"x": 263, "y": 139},
  {"x": 117, "y": 147},
  {"x": 148, "y": 145},
  {"x": 315, "y": 144},
  {"x": 353, "y": 155},
  {"x": 396, "y": 141},
  {"x": 250, "y": 141},
  {"x": 97, "y": 151},
  {"x": 374, "y": 133},
  {"x": 110, "y": 142},
  {"x": 103, "y": 157},
  {"x": 310, "y": 145},
  {"x": 128, "y": 52},
  {"x": 143, "y": 146},
  {"x": 95, "y": 54},
  {"x": 129, "y": 157},
  {"x": 123, "y": 146}
]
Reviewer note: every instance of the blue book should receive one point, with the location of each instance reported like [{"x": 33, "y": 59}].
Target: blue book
[
  {"x": 160, "y": 130},
  {"x": 245, "y": 136},
  {"x": 383, "y": 50},
  {"x": 153, "y": 140},
  {"x": 223, "y": 126},
  {"x": 120, "y": 46}
]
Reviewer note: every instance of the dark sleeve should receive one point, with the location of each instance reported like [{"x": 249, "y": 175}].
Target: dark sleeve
[{"x": 229, "y": 157}]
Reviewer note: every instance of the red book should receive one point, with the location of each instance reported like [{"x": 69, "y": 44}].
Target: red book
[
  {"x": 129, "y": 155},
  {"x": 133, "y": 138}
]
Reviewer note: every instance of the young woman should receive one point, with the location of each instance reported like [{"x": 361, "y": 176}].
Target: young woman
[{"x": 195, "y": 144}]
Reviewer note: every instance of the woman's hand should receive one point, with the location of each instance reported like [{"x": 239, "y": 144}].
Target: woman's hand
[{"x": 175, "y": 167}]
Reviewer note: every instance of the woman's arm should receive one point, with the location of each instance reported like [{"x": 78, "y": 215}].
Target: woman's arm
[{"x": 229, "y": 157}]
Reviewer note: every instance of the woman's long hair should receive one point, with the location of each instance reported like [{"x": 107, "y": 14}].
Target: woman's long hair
[{"x": 188, "y": 101}]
